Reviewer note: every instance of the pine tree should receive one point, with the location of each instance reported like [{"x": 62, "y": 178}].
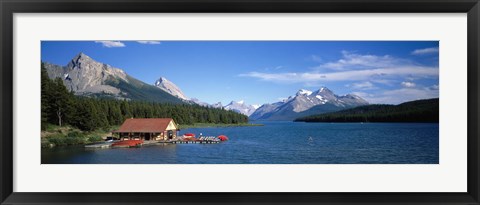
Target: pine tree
[
  {"x": 60, "y": 101},
  {"x": 45, "y": 90}
]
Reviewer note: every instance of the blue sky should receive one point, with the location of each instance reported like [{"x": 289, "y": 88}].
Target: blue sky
[{"x": 261, "y": 72}]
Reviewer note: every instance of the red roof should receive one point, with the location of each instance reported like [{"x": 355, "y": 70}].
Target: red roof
[{"x": 144, "y": 125}]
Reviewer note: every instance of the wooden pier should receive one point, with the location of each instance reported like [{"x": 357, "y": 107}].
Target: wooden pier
[
  {"x": 99, "y": 145},
  {"x": 195, "y": 142},
  {"x": 139, "y": 143}
]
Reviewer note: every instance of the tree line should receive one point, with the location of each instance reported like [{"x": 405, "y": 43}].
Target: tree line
[
  {"x": 413, "y": 111},
  {"x": 61, "y": 107}
]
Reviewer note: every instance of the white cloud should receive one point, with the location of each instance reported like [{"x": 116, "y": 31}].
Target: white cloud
[
  {"x": 111, "y": 44},
  {"x": 365, "y": 73},
  {"x": 408, "y": 84},
  {"x": 424, "y": 51},
  {"x": 362, "y": 85},
  {"x": 352, "y": 61},
  {"x": 149, "y": 42},
  {"x": 353, "y": 75},
  {"x": 385, "y": 70},
  {"x": 434, "y": 87},
  {"x": 398, "y": 96},
  {"x": 385, "y": 81}
]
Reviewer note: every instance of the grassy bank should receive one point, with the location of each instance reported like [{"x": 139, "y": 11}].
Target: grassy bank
[
  {"x": 201, "y": 125},
  {"x": 55, "y": 136}
]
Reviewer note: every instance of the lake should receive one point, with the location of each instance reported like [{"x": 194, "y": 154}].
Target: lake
[{"x": 278, "y": 143}]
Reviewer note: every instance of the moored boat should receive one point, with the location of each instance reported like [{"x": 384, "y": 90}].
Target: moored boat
[{"x": 128, "y": 143}]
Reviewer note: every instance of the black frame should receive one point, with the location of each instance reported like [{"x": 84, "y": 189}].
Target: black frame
[{"x": 9, "y": 7}]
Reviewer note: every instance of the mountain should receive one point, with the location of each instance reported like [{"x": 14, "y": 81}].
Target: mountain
[
  {"x": 305, "y": 103},
  {"x": 198, "y": 102},
  {"x": 413, "y": 111},
  {"x": 87, "y": 77},
  {"x": 170, "y": 87},
  {"x": 217, "y": 105},
  {"x": 174, "y": 90},
  {"x": 239, "y": 107}
]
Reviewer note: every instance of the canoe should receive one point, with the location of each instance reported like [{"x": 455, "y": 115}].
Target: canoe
[{"x": 128, "y": 143}]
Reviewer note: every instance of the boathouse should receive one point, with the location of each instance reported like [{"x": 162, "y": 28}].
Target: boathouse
[{"x": 147, "y": 129}]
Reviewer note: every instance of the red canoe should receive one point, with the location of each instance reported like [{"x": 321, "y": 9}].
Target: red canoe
[
  {"x": 127, "y": 143},
  {"x": 222, "y": 138}
]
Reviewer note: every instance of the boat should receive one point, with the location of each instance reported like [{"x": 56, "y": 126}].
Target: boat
[
  {"x": 128, "y": 143},
  {"x": 222, "y": 138}
]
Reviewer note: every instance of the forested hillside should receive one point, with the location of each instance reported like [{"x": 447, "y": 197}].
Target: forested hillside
[
  {"x": 413, "y": 111},
  {"x": 61, "y": 107}
]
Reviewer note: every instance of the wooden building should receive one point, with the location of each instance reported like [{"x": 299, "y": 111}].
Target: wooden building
[{"x": 147, "y": 129}]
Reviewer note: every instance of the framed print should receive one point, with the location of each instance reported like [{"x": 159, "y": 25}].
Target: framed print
[{"x": 256, "y": 102}]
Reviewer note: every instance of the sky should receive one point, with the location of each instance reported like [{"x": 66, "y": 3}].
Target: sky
[{"x": 258, "y": 72}]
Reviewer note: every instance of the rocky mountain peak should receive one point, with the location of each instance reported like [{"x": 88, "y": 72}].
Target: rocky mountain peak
[
  {"x": 161, "y": 81},
  {"x": 81, "y": 58},
  {"x": 324, "y": 93},
  {"x": 217, "y": 105},
  {"x": 325, "y": 90},
  {"x": 85, "y": 75},
  {"x": 170, "y": 87},
  {"x": 82, "y": 55},
  {"x": 352, "y": 96},
  {"x": 241, "y": 107},
  {"x": 306, "y": 102},
  {"x": 304, "y": 92}
]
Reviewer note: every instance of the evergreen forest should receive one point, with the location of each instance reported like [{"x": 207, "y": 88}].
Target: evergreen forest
[{"x": 61, "y": 107}]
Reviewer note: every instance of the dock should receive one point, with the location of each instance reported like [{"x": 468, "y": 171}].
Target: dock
[
  {"x": 200, "y": 140},
  {"x": 195, "y": 142},
  {"x": 100, "y": 145},
  {"x": 140, "y": 143}
]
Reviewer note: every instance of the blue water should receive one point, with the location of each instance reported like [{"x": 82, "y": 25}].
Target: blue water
[{"x": 278, "y": 143}]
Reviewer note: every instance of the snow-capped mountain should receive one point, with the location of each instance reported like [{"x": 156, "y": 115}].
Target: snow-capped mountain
[
  {"x": 85, "y": 76},
  {"x": 170, "y": 87},
  {"x": 198, "y": 102},
  {"x": 240, "y": 107},
  {"x": 88, "y": 77},
  {"x": 306, "y": 102},
  {"x": 217, "y": 105},
  {"x": 174, "y": 90}
]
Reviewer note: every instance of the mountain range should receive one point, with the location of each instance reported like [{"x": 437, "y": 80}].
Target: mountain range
[
  {"x": 305, "y": 103},
  {"x": 86, "y": 77},
  {"x": 171, "y": 88},
  {"x": 241, "y": 107}
]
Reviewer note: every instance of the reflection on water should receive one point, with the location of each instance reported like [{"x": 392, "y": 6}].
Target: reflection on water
[{"x": 278, "y": 143}]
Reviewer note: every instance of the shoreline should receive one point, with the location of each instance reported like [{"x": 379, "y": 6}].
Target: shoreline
[{"x": 204, "y": 125}]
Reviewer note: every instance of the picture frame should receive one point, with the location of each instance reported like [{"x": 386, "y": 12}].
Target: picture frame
[{"x": 9, "y": 8}]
